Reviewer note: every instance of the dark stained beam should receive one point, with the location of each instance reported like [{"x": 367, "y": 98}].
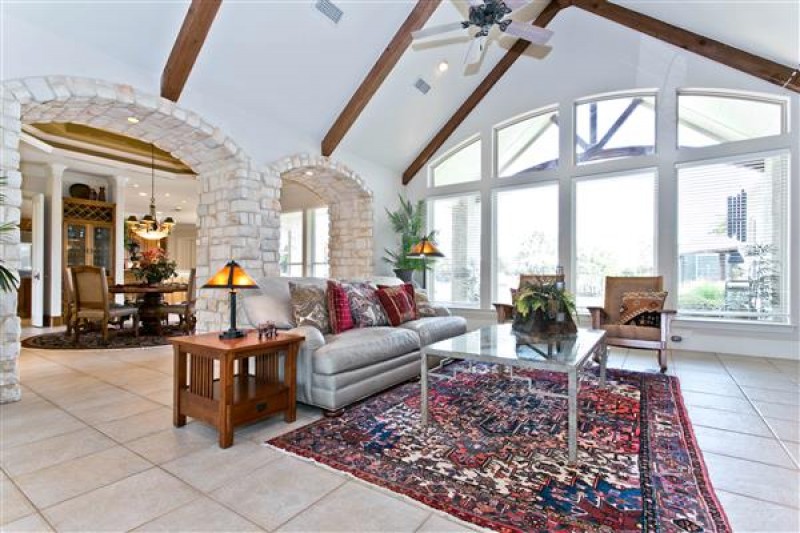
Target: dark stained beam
[
  {"x": 757, "y": 66},
  {"x": 376, "y": 76},
  {"x": 187, "y": 46},
  {"x": 519, "y": 47}
]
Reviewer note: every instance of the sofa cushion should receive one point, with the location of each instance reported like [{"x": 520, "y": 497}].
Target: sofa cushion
[
  {"x": 310, "y": 306},
  {"x": 398, "y": 303},
  {"x": 638, "y": 333},
  {"x": 437, "y": 328},
  {"x": 361, "y": 347},
  {"x": 339, "y": 308},
  {"x": 364, "y": 305}
]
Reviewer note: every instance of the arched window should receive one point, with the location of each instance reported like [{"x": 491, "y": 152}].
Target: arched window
[
  {"x": 527, "y": 144},
  {"x": 462, "y": 165},
  {"x": 614, "y": 127}
]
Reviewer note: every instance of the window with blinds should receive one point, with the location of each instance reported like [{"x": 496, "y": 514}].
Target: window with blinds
[
  {"x": 614, "y": 231},
  {"x": 529, "y": 248},
  {"x": 733, "y": 238},
  {"x": 456, "y": 278}
]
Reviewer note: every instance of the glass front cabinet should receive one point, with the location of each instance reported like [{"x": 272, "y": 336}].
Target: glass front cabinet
[{"x": 89, "y": 234}]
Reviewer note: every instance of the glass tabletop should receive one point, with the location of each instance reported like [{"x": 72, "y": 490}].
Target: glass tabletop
[{"x": 499, "y": 344}]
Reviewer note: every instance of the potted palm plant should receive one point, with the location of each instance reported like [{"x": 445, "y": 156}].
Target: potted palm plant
[
  {"x": 408, "y": 222},
  {"x": 8, "y": 279}
]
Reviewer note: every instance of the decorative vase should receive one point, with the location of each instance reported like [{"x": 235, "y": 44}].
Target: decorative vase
[
  {"x": 101, "y": 195},
  {"x": 93, "y": 195},
  {"x": 404, "y": 274}
]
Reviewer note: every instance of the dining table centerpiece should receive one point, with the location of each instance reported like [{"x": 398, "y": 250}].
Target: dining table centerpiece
[
  {"x": 544, "y": 309},
  {"x": 155, "y": 267}
]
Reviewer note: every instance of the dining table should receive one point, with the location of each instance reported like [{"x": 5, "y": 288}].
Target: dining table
[{"x": 151, "y": 303}]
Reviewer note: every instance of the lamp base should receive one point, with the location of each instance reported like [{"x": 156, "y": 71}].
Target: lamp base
[{"x": 232, "y": 334}]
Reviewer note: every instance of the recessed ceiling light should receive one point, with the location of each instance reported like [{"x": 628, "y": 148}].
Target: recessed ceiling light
[
  {"x": 166, "y": 194},
  {"x": 309, "y": 172},
  {"x": 443, "y": 66},
  {"x": 183, "y": 201},
  {"x": 142, "y": 194},
  {"x": 135, "y": 185},
  {"x": 133, "y": 120}
]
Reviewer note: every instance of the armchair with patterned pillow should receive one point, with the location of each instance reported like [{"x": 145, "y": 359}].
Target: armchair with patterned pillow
[{"x": 633, "y": 315}]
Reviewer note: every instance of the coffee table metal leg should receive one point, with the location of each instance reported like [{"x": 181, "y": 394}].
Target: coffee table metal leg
[
  {"x": 603, "y": 363},
  {"x": 423, "y": 389},
  {"x": 572, "y": 392}
]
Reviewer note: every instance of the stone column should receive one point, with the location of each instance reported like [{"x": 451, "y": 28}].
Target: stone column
[
  {"x": 55, "y": 211},
  {"x": 10, "y": 128},
  {"x": 118, "y": 197}
]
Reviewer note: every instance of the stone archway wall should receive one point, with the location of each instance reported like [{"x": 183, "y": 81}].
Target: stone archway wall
[
  {"x": 238, "y": 213},
  {"x": 350, "y": 209}
]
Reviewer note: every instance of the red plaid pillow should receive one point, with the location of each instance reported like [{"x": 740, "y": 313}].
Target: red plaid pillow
[
  {"x": 399, "y": 303},
  {"x": 339, "y": 308}
]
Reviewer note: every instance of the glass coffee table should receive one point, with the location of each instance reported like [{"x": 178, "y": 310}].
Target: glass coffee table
[{"x": 498, "y": 344}]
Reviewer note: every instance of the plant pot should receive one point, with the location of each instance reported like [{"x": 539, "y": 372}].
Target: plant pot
[{"x": 404, "y": 274}]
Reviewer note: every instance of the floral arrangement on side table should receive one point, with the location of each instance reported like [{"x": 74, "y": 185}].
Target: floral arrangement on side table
[{"x": 155, "y": 267}]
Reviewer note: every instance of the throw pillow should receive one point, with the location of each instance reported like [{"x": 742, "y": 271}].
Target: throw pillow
[
  {"x": 365, "y": 307},
  {"x": 636, "y": 306},
  {"x": 339, "y": 307},
  {"x": 398, "y": 302},
  {"x": 424, "y": 307},
  {"x": 310, "y": 306}
]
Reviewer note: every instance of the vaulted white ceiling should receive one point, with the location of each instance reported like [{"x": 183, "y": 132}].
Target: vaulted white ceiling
[{"x": 275, "y": 75}]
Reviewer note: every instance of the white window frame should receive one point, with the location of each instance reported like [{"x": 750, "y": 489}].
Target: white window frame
[
  {"x": 554, "y": 108},
  {"x": 447, "y": 155},
  {"x": 309, "y": 257}
]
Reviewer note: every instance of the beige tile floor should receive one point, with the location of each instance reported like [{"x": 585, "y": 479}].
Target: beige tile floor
[{"x": 91, "y": 447}]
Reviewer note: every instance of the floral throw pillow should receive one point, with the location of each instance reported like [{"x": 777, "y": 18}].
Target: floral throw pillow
[
  {"x": 642, "y": 308},
  {"x": 365, "y": 307},
  {"x": 424, "y": 307},
  {"x": 310, "y": 306},
  {"x": 339, "y": 307},
  {"x": 399, "y": 303}
]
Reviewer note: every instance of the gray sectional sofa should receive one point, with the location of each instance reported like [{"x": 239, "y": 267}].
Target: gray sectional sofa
[{"x": 334, "y": 371}]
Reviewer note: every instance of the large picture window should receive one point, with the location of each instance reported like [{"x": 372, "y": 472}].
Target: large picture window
[
  {"x": 291, "y": 244},
  {"x": 456, "y": 278},
  {"x": 528, "y": 145},
  {"x": 460, "y": 166},
  {"x": 732, "y": 238},
  {"x": 526, "y": 235},
  {"x": 614, "y": 231},
  {"x": 708, "y": 119},
  {"x": 615, "y": 127}
]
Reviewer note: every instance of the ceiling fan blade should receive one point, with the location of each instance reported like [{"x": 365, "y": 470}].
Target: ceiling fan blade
[
  {"x": 436, "y": 30},
  {"x": 516, "y": 4},
  {"x": 532, "y": 34},
  {"x": 475, "y": 51}
]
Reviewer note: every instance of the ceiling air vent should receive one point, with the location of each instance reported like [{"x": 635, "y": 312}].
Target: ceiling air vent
[
  {"x": 422, "y": 86},
  {"x": 329, "y": 9}
]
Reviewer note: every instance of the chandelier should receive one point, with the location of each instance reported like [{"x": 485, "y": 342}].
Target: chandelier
[{"x": 149, "y": 228}]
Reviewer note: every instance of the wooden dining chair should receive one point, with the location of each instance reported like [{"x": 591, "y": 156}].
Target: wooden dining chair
[
  {"x": 186, "y": 309},
  {"x": 93, "y": 302},
  {"x": 69, "y": 302}
]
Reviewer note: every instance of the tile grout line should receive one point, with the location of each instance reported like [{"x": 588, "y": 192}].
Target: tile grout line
[
  {"x": 759, "y": 499},
  {"x": 36, "y": 509},
  {"x": 763, "y": 418}
]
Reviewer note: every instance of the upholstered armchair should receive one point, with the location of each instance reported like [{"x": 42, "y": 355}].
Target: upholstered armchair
[
  {"x": 505, "y": 312},
  {"x": 93, "y": 303},
  {"x": 185, "y": 309},
  {"x": 631, "y": 335}
]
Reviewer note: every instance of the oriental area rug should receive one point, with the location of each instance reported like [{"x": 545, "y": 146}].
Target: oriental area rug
[
  {"x": 93, "y": 340},
  {"x": 495, "y": 454}
]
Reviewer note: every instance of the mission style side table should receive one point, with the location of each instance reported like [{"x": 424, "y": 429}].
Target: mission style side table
[{"x": 243, "y": 392}]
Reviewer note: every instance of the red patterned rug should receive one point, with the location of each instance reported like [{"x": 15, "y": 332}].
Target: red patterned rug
[{"x": 496, "y": 455}]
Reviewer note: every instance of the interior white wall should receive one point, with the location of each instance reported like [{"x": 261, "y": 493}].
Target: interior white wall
[{"x": 609, "y": 58}]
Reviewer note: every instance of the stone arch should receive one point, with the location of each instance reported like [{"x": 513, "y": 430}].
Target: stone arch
[
  {"x": 350, "y": 209},
  {"x": 238, "y": 212}
]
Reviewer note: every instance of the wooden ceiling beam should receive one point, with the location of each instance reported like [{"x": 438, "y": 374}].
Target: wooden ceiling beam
[
  {"x": 757, "y": 66},
  {"x": 376, "y": 76},
  {"x": 187, "y": 46},
  {"x": 519, "y": 47}
]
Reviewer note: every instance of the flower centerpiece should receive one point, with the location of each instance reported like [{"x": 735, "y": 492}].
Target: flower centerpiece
[
  {"x": 155, "y": 267},
  {"x": 544, "y": 308}
]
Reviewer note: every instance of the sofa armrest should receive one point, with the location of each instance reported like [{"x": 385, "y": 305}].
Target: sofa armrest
[
  {"x": 598, "y": 316},
  {"x": 305, "y": 359},
  {"x": 440, "y": 310},
  {"x": 314, "y": 337}
]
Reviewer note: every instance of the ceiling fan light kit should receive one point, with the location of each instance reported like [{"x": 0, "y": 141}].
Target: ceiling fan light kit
[{"x": 484, "y": 15}]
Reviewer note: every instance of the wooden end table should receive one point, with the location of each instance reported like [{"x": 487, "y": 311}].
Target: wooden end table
[{"x": 239, "y": 395}]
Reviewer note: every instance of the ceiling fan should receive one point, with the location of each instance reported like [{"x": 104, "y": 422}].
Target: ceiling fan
[{"x": 484, "y": 15}]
